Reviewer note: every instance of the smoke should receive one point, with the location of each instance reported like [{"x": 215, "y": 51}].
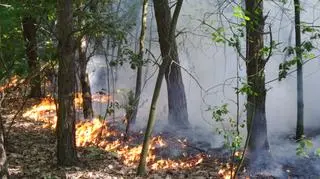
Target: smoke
[{"x": 214, "y": 66}]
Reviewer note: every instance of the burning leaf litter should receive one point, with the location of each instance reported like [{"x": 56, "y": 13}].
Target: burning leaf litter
[
  {"x": 12, "y": 82},
  {"x": 99, "y": 133}
]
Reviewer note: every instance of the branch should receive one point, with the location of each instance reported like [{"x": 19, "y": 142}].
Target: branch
[
  {"x": 275, "y": 79},
  {"x": 155, "y": 60},
  {"x": 271, "y": 46},
  {"x": 237, "y": 47},
  {"x": 193, "y": 77},
  {"x": 174, "y": 21},
  {"x": 6, "y": 134}
]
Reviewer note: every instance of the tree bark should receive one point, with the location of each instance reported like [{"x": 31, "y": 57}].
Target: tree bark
[
  {"x": 66, "y": 145},
  {"x": 139, "y": 70},
  {"x": 84, "y": 80},
  {"x": 162, "y": 70},
  {"x": 29, "y": 33},
  {"x": 300, "y": 105},
  {"x": 144, "y": 153},
  {"x": 177, "y": 102},
  {"x": 3, "y": 156},
  {"x": 258, "y": 145}
]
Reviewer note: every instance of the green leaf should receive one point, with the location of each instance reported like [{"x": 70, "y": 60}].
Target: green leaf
[
  {"x": 318, "y": 152},
  {"x": 239, "y": 13},
  {"x": 218, "y": 36},
  {"x": 309, "y": 144},
  {"x": 308, "y": 46}
]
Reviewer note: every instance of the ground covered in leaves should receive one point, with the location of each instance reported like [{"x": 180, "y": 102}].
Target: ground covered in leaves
[{"x": 31, "y": 154}]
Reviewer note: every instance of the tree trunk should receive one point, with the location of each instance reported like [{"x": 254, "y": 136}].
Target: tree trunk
[
  {"x": 300, "y": 112},
  {"x": 151, "y": 121},
  {"x": 258, "y": 145},
  {"x": 84, "y": 80},
  {"x": 177, "y": 102},
  {"x": 162, "y": 70},
  {"x": 139, "y": 70},
  {"x": 3, "y": 156},
  {"x": 66, "y": 146},
  {"x": 3, "y": 159},
  {"x": 29, "y": 33}
]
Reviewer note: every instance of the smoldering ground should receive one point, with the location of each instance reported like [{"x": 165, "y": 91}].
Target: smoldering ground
[{"x": 211, "y": 79}]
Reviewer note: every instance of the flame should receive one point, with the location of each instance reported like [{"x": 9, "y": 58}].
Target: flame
[
  {"x": 101, "y": 98},
  {"x": 13, "y": 81},
  {"x": 226, "y": 172},
  {"x": 44, "y": 112},
  {"x": 104, "y": 98},
  {"x": 99, "y": 133},
  {"x": 78, "y": 100}
]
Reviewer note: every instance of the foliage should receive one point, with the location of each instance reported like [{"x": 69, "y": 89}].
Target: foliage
[
  {"x": 12, "y": 43},
  {"x": 303, "y": 146},
  {"x": 130, "y": 104},
  {"x": 232, "y": 139},
  {"x": 306, "y": 49},
  {"x": 238, "y": 12},
  {"x": 129, "y": 56},
  {"x": 12, "y": 52},
  {"x": 246, "y": 89}
]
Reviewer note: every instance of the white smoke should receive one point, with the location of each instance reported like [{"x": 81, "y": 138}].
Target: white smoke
[{"x": 214, "y": 64}]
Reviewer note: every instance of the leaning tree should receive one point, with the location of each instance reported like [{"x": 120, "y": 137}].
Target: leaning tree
[{"x": 166, "y": 36}]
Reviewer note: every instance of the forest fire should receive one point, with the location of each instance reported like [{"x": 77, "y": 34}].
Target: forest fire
[
  {"x": 12, "y": 82},
  {"x": 101, "y": 98},
  {"x": 45, "y": 112},
  {"x": 100, "y": 134},
  {"x": 225, "y": 173}
]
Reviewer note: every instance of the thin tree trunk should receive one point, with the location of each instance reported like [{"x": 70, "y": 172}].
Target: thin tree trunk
[
  {"x": 300, "y": 111},
  {"x": 3, "y": 156},
  {"x": 66, "y": 145},
  {"x": 84, "y": 79},
  {"x": 149, "y": 47},
  {"x": 177, "y": 102},
  {"x": 139, "y": 70},
  {"x": 29, "y": 33},
  {"x": 258, "y": 144},
  {"x": 162, "y": 70},
  {"x": 3, "y": 159},
  {"x": 152, "y": 116}
]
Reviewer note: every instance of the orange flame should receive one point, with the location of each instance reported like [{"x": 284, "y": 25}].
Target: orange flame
[
  {"x": 78, "y": 100},
  {"x": 45, "y": 112},
  {"x": 98, "y": 133},
  {"x": 13, "y": 81},
  {"x": 226, "y": 172}
]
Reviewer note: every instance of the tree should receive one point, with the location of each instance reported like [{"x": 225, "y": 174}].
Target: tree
[
  {"x": 177, "y": 102},
  {"x": 300, "y": 111},
  {"x": 29, "y": 33},
  {"x": 258, "y": 145},
  {"x": 166, "y": 60},
  {"x": 3, "y": 156},
  {"x": 139, "y": 70},
  {"x": 84, "y": 79},
  {"x": 66, "y": 146}
]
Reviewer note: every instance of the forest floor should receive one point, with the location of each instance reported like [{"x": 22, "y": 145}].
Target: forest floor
[{"x": 31, "y": 154}]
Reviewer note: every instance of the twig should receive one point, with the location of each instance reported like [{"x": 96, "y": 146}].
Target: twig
[
  {"x": 192, "y": 76},
  {"x": 191, "y": 146},
  {"x": 6, "y": 134}
]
